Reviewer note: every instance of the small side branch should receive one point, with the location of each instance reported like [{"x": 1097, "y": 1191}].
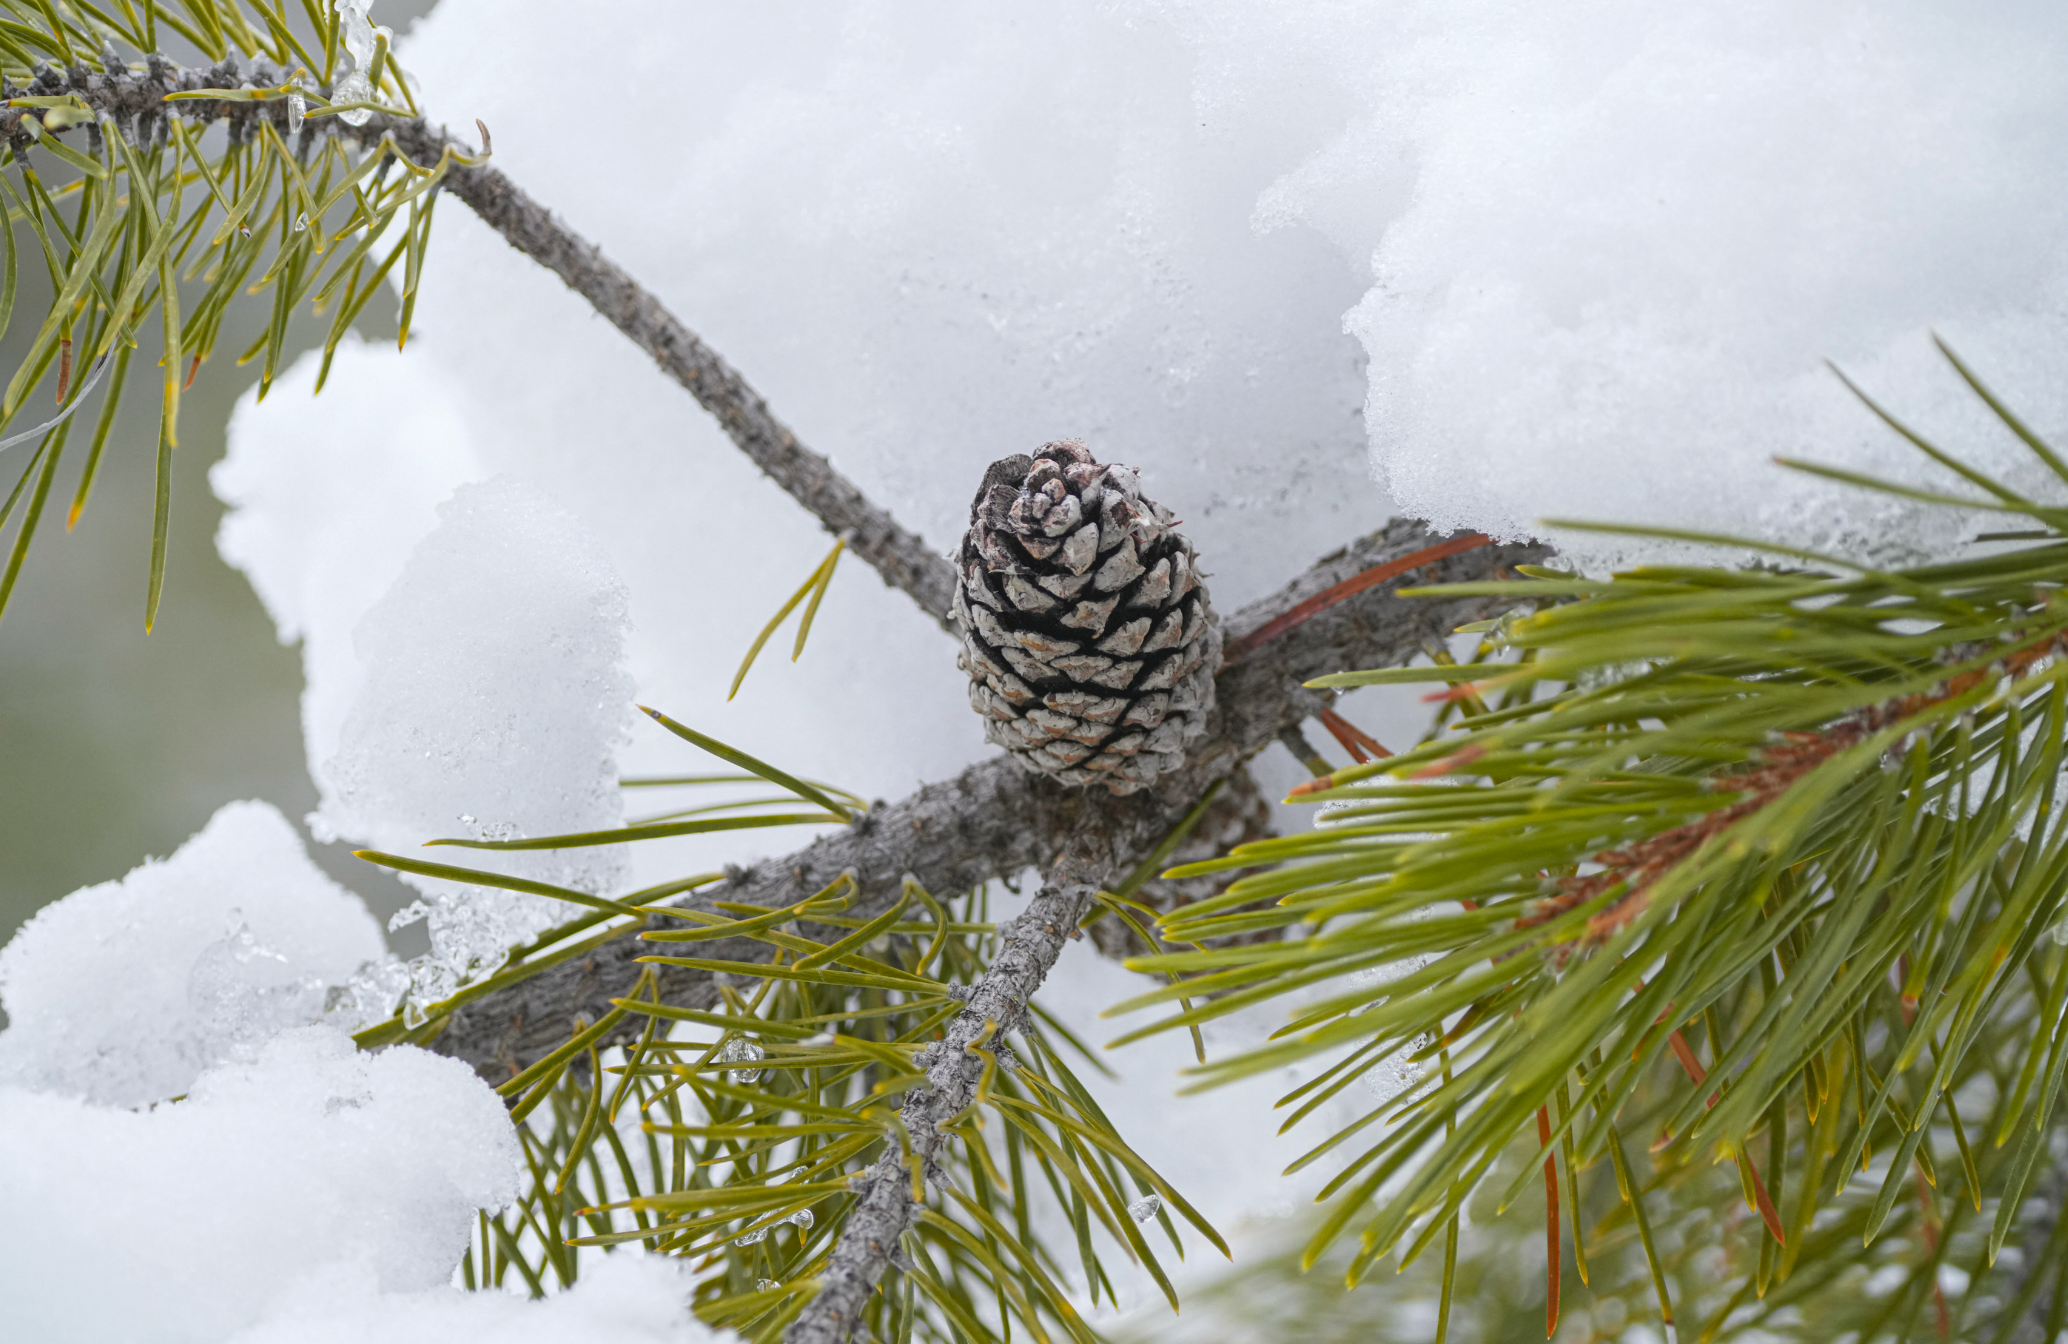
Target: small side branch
[{"x": 884, "y": 1207}]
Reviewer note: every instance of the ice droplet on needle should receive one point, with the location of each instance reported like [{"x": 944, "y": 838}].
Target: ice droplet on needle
[{"x": 740, "y": 1050}]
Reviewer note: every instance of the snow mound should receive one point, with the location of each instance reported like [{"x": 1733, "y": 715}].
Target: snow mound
[
  {"x": 122, "y": 993},
  {"x": 191, "y": 1220},
  {"x": 1614, "y": 245},
  {"x": 491, "y": 703}
]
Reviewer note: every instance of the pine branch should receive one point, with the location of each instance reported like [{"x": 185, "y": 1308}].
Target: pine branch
[
  {"x": 1028, "y": 947},
  {"x": 135, "y": 101},
  {"x": 994, "y": 819}
]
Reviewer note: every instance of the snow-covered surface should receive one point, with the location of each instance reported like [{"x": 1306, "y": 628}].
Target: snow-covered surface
[
  {"x": 122, "y": 993},
  {"x": 309, "y": 1168},
  {"x": 188, "y": 1160},
  {"x": 320, "y": 546},
  {"x": 1619, "y": 240}
]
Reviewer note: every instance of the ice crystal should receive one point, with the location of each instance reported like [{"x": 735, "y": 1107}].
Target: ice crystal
[
  {"x": 357, "y": 31},
  {"x": 740, "y": 1050}
]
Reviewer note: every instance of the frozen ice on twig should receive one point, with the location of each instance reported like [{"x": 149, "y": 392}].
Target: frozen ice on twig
[
  {"x": 1145, "y": 1208},
  {"x": 357, "y": 32},
  {"x": 802, "y": 1220}
]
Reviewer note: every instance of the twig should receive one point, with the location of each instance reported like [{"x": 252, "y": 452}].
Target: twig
[
  {"x": 1636, "y": 867},
  {"x": 904, "y": 560},
  {"x": 1028, "y": 947},
  {"x": 1350, "y": 587}
]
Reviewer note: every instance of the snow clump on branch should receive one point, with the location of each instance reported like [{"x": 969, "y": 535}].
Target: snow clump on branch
[{"x": 491, "y": 701}]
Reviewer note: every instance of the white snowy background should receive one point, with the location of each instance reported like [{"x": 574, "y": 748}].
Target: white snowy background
[{"x": 1303, "y": 264}]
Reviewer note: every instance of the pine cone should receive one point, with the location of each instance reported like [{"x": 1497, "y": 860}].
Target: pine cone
[{"x": 1087, "y": 636}]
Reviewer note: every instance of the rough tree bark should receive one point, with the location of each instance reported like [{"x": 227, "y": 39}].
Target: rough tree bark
[{"x": 1028, "y": 947}]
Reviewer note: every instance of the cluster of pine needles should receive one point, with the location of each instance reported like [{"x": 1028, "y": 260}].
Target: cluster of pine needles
[
  {"x": 1751, "y": 866},
  {"x": 151, "y": 230}
]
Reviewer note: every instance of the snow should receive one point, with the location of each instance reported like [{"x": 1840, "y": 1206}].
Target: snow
[
  {"x": 192, "y": 1220},
  {"x": 490, "y": 704},
  {"x": 626, "y": 1299},
  {"x": 1624, "y": 238},
  {"x": 122, "y": 993},
  {"x": 189, "y": 1157},
  {"x": 319, "y": 548}
]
